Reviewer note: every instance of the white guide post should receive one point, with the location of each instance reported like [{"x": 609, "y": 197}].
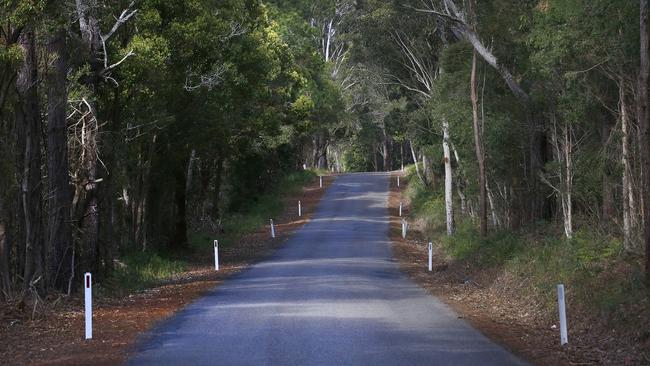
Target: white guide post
[
  {"x": 398, "y": 180},
  {"x": 304, "y": 166},
  {"x": 321, "y": 181},
  {"x": 272, "y": 230},
  {"x": 89, "y": 305},
  {"x": 402, "y": 167},
  {"x": 564, "y": 338},
  {"x": 216, "y": 255},
  {"x": 299, "y": 209},
  {"x": 400, "y": 209},
  {"x": 404, "y": 229},
  {"x": 430, "y": 256}
]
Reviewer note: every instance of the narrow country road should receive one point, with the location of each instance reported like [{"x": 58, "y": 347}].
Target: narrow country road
[{"x": 332, "y": 296}]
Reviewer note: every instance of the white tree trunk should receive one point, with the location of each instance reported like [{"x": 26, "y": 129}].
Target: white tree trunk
[
  {"x": 417, "y": 165},
  {"x": 628, "y": 197},
  {"x": 449, "y": 188},
  {"x": 496, "y": 222},
  {"x": 568, "y": 202}
]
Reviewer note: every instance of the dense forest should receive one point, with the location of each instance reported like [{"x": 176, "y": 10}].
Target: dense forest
[{"x": 127, "y": 125}]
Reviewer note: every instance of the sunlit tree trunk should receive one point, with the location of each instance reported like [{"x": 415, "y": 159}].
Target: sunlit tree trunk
[
  {"x": 386, "y": 155},
  {"x": 449, "y": 188},
  {"x": 480, "y": 156},
  {"x": 417, "y": 164},
  {"x": 627, "y": 196}
]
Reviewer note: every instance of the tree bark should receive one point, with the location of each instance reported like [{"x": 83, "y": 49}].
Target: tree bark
[
  {"x": 179, "y": 239},
  {"x": 374, "y": 158},
  {"x": 625, "y": 160},
  {"x": 480, "y": 155},
  {"x": 5, "y": 279},
  {"x": 87, "y": 193},
  {"x": 28, "y": 115},
  {"x": 216, "y": 194},
  {"x": 493, "y": 210},
  {"x": 417, "y": 164},
  {"x": 642, "y": 113},
  {"x": 449, "y": 188},
  {"x": 60, "y": 195}
]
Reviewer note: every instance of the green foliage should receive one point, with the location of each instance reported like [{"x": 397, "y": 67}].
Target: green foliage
[{"x": 254, "y": 214}]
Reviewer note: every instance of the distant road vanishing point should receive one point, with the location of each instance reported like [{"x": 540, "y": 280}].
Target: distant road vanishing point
[{"x": 333, "y": 295}]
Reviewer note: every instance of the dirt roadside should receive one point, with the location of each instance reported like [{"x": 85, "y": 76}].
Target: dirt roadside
[
  {"x": 492, "y": 303},
  {"x": 56, "y": 335}
]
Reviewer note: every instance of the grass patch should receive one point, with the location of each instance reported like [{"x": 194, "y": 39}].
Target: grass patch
[{"x": 143, "y": 269}]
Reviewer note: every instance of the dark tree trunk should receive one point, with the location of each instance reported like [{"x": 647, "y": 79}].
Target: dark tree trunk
[
  {"x": 480, "y": 155},
  {"x": 179, "y": 239},
  {"x": 218, "y": 174},
  {"x": 60, "y": 195},
  {"x": 314, "y": 159},
  {"x": 642, "y": 113},
  {"x": 5, "y": 279},
  {"x": 29, "y": 118},
  {"x": 88, "y": 191},
  {"x": 374, "y": 158}
]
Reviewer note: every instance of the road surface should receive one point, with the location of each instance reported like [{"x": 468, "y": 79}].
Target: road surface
[{"x": 333, "y": 295}]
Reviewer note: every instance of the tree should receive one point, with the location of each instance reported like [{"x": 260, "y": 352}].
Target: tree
[
  {"x": 644, "y": 125},
  {"x": 28, "y": 122},
  {"x": 480, "y": 155}
]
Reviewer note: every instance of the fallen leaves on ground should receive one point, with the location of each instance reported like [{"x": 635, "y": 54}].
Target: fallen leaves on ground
[
  {"x": 56, "y": 335},
  {"x": 495, "y": 303}
]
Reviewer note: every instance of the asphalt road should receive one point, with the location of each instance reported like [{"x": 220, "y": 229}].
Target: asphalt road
[{"x": 333, "y": 295}]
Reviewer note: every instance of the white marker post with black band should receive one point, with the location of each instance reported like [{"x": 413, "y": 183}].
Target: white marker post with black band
[
  {"x": 88, "y": 305},
  {"x": 299, "y": 209},
  {"x": 430, "y": 256},
  {"x": 272, "y": 229},
  {"x": 400, "y": 209},
  {"x": 216, "y": 255},
  {"x": 398, "y": 181}
]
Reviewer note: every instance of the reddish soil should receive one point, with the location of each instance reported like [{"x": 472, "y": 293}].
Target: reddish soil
[
  {"x": 498, "y": 305},
  {"x": 56, "y": 334}
]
